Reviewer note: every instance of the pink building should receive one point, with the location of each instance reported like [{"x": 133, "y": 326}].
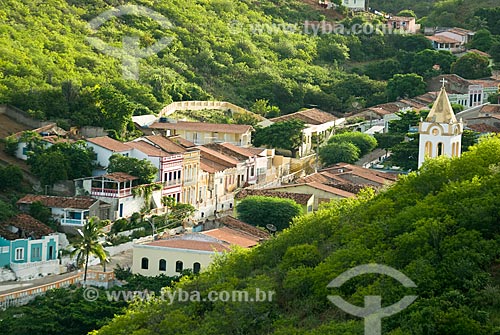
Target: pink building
[{"x": 407, "y": 24}]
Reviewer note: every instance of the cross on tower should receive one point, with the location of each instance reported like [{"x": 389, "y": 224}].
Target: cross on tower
[{"x": 443, "y": 81}]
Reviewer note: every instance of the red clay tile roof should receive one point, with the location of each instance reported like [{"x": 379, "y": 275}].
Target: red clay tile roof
[
  {"x": 236, "y": 224},
  {"x": 182, "y": 141},
  {"x": 109, "y": 143},
  {"x": 203, "y": 126},
  {"x": 227, "y": 152},
  {"x": 331, "y": 189},
  {"x": 240, "y": 150},
  {"x": 233, "y": 237},
  {"x": 312, "y": 116},
  {"x": 167, "y": 144},
  {"x": 28, "y": 226},
  {"x": 299, "y": 198},
  {"x": 56, "y": 139},
  {"x": 190, "y": 245},
  {"x": 442, "y": 39},
  {"x": 59, "y": 202},
  {"x": 483, "y": 128},
  {"x": 217, "y": 157},
  {"x": 120, "y": 176},
  {"x": 147, "y": 149},
  {"x": 490, "y": 109},
  {"x": 211, "y": 166}
]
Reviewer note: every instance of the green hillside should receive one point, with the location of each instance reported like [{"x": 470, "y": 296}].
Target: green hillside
[
  {"x": 445, "y": 13},
  {"x": 440, "y": 227},
  {"x": 238, "y": 51}
]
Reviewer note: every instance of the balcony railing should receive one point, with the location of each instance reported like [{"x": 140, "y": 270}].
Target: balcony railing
[
  {"x": 110, "y": 193},
  {"x": 170, "y": 183},
  {"x": 67, "y": 221}
]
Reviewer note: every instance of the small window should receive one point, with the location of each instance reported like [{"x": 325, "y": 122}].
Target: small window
[
  {"x": 35, "y": 252},
  {"x": 19, "y": 254},
  {"x": 196, "y": 267},
  {"x": 163, "y": 265},
  {"x": 4, "y": 250},
  {"x": 145, "y": 263},
  {"x": 179, "y": 266}
]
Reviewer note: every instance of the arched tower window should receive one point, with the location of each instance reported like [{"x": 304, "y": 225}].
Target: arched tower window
[
  {"x": 428, "y": 148},
  {"x": 144, "y": 263},
  {"x": 440, "y": 149}
]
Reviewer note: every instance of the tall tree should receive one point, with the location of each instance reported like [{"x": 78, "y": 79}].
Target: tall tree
[
  {"x": 333, "y": 153},
  {"x": 88, "y": 243},
  {"x": 284, "y": 135},
  {"x": 405, "y": 86},
  {"x": 260, "y": 211},
  {"x": 143, "y": 169},
  {"x": 472, "y": 66}
]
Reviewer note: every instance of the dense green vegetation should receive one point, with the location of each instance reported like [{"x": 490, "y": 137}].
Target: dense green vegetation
[
  {"x": 346, "y": 147},
  {"x": 229, "y": 50},
  {"x": 67, "y": 312},
  {"x": 261, "y": 211},
  {"x": 438, "y": 226}
]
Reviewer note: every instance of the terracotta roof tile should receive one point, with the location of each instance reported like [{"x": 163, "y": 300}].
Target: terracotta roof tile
[
  {"x": 203, "y": 126},
  {"x": 167, "y": 144},
  {"x": 120, "y": 176},
  {"x": 217, "y": 157},
  {"x": 312, "y": 116},
  {"x": 236, "y": 224},
  {"x": 58, "y": 202},
  {"x": 442, "y": 39},
  {"x": 148, "y": 149},
  {"x": 109, "y": 143},
  {"x": 28, "y": 226},
  {"x": 483, "y": 128},
  {"x": 233, "y": 237},
  {"x": 299, "y": 198},
  {"x": 190, "y": 245}
]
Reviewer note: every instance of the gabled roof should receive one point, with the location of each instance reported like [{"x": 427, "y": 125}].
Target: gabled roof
[
  {"x": 233, "y": 237},
  {"x": 203, "y": 127},
  {"x": 119, "y": 176},
  {"x": 166, "y": 144},
  {"x": 441, "y": 111},
  {"x": 227, "y": 152},
  {"x": 147, "y": 149},
  {"x": 58, "y": 202},
  {"x": 217, "y": 157},
  {"x": 211, "y": 166},
  {"x": 483, "y": 128},
  {"x": 190, "y": 245},
  {"x": 181, "y": 141},
  {"x": 239, "y": 225},
  {"x": 248, "y": 152},
  {"x": 109, "y": 143},
  {"x": 312, "y": 116},
  {"x": 27, "y": 225},
  {"x": 442, "y": 39}
]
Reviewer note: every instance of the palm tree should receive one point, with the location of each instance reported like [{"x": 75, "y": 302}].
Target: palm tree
[{"x": 88, "y": 244}]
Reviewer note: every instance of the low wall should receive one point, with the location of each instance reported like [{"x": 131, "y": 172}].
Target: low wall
[
  {"x": 22, "y": 117},
  {"x": 200, "y": 105}
]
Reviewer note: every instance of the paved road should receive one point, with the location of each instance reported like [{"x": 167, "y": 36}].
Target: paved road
[{"x": 124, "y": 259}]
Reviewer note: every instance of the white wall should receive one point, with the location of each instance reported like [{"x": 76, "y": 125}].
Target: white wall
[{"x": 171, "y": 255}]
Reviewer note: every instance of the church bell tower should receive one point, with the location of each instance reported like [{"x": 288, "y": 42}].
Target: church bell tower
[{"x": 440, "y": 133}]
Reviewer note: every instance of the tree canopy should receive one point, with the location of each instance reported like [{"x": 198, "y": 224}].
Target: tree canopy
[
  {"x": 472, "y": 66},
  {"x": 261, "y": 211},
  {"x": 438, "y": 227},
  {"x": 141, "y": 168},
  {"x": 283, "y": 134}
]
